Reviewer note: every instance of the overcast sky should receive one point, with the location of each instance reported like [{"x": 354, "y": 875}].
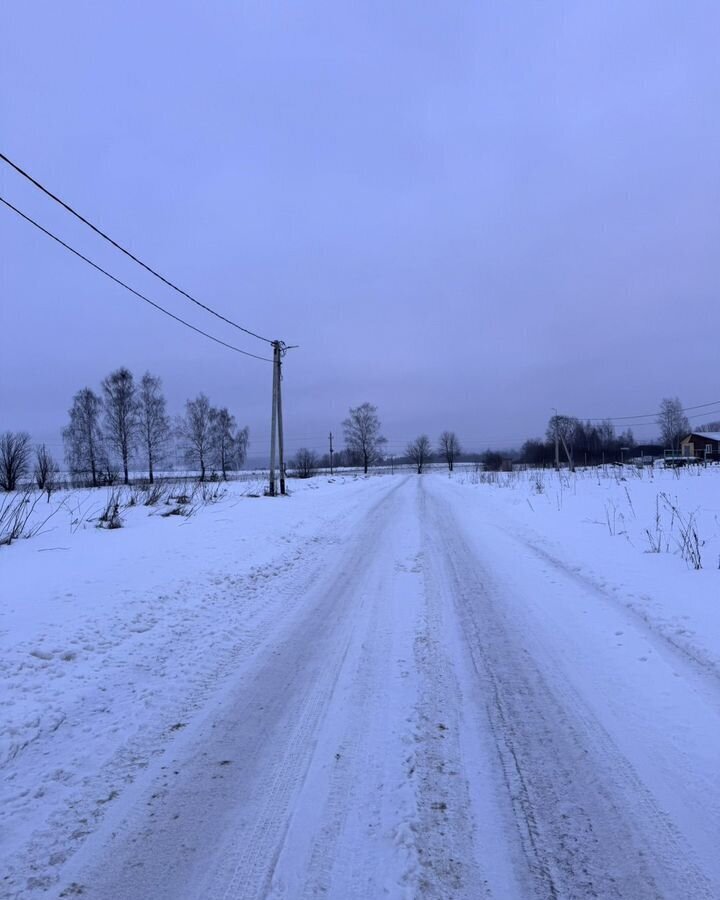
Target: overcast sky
[{"x": 467, "y": 213}]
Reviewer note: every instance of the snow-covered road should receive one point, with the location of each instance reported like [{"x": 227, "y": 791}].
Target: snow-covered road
[{"x": 428, "y": 706}]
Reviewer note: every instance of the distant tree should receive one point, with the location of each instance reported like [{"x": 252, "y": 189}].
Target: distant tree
[
  {"x": 305, "y": 463},
  {"x": 342, "y": 458},
  {"x": 223, "y": 439},
  {"x": 196, "y": 428},
  {"x": 566, "y": 429},
  {"x": 449, "y": 447},
  {"x": 674, "y": 424},
  {"x": 492, "y": 460},
  {"x": 627, "y": 439},
  {"x": 242, "y": 442},
  {"x": 46, "y": 470},
  {"x": 535, "y": 452},
  {"x": 606, "y": 436},
  {"x": 419, "y": 451},
  {"x": 362, "y": 434},
  {"x": 121, "y": 415},
  {"x": 709, "y": 426},
  {"x": 14, "y": 458},
  {"x": 152, "y": 420},
  {"x": 83, "y": 437}
]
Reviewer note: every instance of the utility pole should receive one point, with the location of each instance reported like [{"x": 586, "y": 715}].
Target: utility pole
[
  {"x": 281, "y": 438},
  {"x": 276, "y": 428},
  {"x": 273, "y": 427},
  {"x": 331, "y": 453},
  {"x": 557, "y": 440}
]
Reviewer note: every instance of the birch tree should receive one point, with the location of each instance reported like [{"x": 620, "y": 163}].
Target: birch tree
[
  {"x": 449, "y": 447},
  {"x": 83, "y": 437},
  {"x": 45, "y": 471},
  {"x": 674, "y": 424},
  {"x": 196, "y": 430},
  {"x": 121, "y": 421},
  {"x": 419, "y": 452},
  {"x": 153, "y": 421},
  {"x": 222, "y": 436},
  {"x": 362, "y": 434},
  {"x": 242, "y": 441}
]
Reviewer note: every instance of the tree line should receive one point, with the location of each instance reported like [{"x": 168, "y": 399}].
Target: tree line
[
  {"x": 364, "y": 445},
  {"x": 594, "y": 443},
  {"x": 587, "y": 442},
  {"x": 126, "y": 422},
  {"x": 127, "y": 418}
]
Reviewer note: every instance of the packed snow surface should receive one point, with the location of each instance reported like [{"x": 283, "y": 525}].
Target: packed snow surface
[{"x": 474, "y": 686}]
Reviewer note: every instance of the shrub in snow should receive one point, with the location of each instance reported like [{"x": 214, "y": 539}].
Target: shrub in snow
[
  {"x": 16, "y": 516},
  {"x": 110, "y": 516}
]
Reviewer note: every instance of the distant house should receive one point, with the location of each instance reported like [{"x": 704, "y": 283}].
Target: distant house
[{"x": 701, "y": 445}]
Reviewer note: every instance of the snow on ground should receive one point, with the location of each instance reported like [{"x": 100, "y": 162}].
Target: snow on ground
[
  {"x": 635, "y": 533},
  {"x": 110, "y": 639},
  {"x": 467, "y": 686}
]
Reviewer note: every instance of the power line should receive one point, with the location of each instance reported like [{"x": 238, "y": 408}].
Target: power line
[
  {"x": 646, "y": 415},
  {"x": 127, "y": 286},
  {"x": 703, "y": 415},
  {"x": 127, "y": 252}
]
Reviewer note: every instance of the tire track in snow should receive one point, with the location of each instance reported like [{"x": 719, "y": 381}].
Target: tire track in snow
[
  {"x": 253, "y": 861},
  {"x": 588, "y": 826},
  {"x": 446, "y": 838},
  {"x": 184, "y": 816},
  {"x": 247, "y": 869},
  {"x": 353, "y": 767},
  {"x": 262, "y": 590},
  {"x": 347, "y": 835}
]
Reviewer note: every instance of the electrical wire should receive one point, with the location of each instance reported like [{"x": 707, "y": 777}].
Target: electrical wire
[
  {"x": 127, "y": 252},
  {"x": 128, "y": 288},
  {"x": 645, "y": 415}
]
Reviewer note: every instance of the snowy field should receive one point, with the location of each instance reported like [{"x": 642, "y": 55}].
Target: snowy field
[{"x": 474, "y": 686}]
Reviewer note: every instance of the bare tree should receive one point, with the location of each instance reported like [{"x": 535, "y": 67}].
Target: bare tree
[
  {"x": 449, "y": 447},
  {"x": 564, "y": 429},
  {"x": 305, "y": 463},
  {"x": 84, "y": 445},
  {"x": 196, "y": 429},
  {"x": 362, "y": 434},
  {"x": 14, "y": 458},
  {"x": 46, "y": 470},
  {"x": 121, "y": 415},
  {"x": 419, "y": 451},
  {"x": 673, "y": 422},
  {"x": 153, "y": 421},
  {"x": 242, "y": 441},
  {"x": 223, "y": 439},
  {"x": 492, "y": 460}
]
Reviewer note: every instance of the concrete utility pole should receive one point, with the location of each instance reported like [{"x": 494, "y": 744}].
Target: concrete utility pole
[
  {"x": 281, "y": 438},
  {"x": 276, "y": 429},
  {"x": 273, "y": 427},
  {"x": 557, "y": 440},
  {"x": 331, "y": 453}
]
